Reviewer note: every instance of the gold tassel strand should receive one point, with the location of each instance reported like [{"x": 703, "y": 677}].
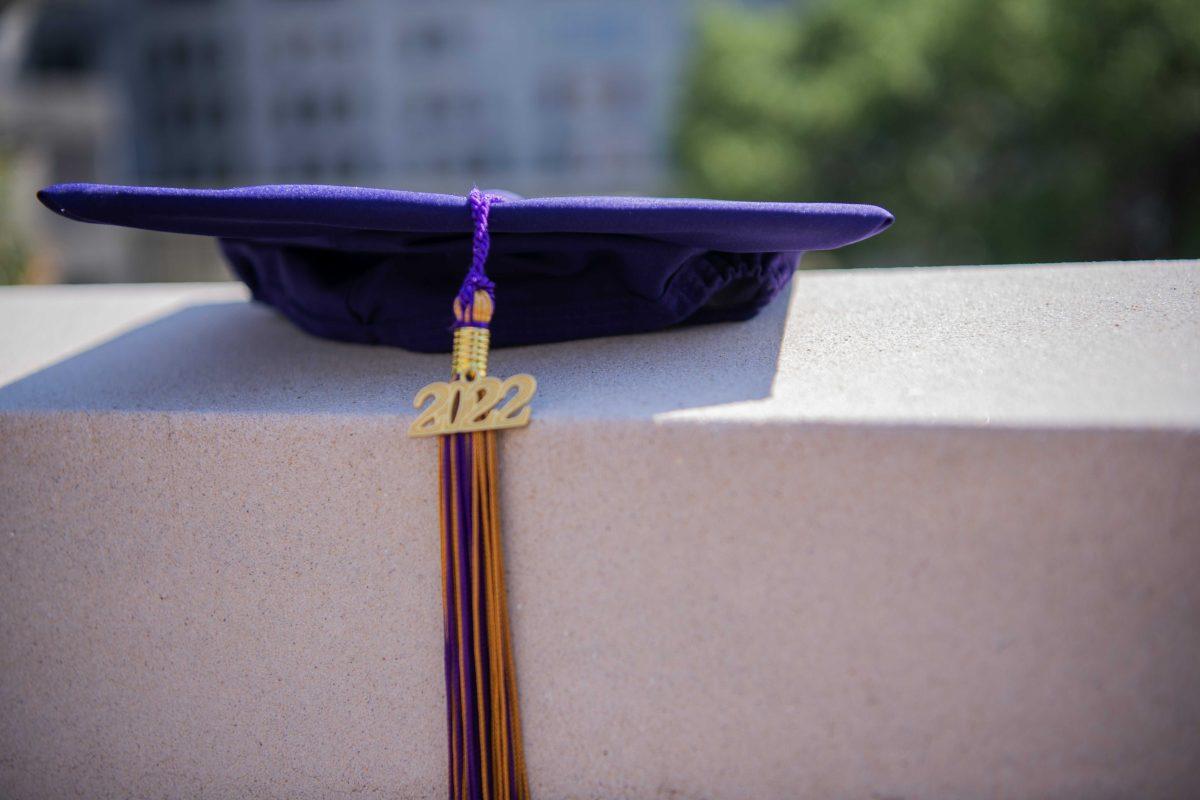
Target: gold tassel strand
[{"x": 487, "y": 759}]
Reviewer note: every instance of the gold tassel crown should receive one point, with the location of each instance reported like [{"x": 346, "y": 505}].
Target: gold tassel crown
[{"x": 472, "y": 337}]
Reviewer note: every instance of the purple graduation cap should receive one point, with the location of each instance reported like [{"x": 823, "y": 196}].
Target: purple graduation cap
[
  {"x": 377, "y": 266},
  {"x": 369, "y": 265}
]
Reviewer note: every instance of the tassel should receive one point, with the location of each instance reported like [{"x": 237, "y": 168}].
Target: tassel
[{"x": 483, "y": 720}]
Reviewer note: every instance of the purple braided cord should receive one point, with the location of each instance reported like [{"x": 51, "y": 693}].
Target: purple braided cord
[{"x": 477, "y": 279}]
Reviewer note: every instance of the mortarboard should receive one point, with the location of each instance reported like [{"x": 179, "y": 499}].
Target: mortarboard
[{"x": 379, "y": 266}]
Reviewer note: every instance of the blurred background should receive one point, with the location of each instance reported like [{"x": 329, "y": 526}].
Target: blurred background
[{"x": 996, "y": 130}]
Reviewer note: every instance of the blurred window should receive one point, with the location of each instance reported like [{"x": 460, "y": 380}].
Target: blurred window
[
  {"x": 177, "y": 52},
  {"x": 310, "y": 169},
  {"x": 307, "y": 109},
  {"x": 185, "y": 113},
  {"x": 66, "y": 39},
  {"x": 338, "y": 44},
  {"x": 340, "y": 107},
  {"x": 601, "y": 31},
  {"x": 300, "y": 46},
  {"x": 208, "y": 54},
  {"x": 559, "y": 92},
  {"x": 428, "y": 38},
  {"x": 217, "y": 114},
  {"x": 621, "y": 92},
  {"x": 437, "y": 106}
]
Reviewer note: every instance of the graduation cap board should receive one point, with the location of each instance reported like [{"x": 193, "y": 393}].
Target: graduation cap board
[{"x": 386, "y": 267}]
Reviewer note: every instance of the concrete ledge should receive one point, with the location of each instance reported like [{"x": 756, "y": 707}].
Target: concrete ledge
[{"x": 914, "y": 533}]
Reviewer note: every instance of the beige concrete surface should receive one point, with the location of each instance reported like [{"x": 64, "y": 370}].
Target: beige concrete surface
[{"x": 910, "y": 534}]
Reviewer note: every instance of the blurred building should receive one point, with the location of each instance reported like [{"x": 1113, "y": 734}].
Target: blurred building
[
  {"x": 535, "y": 96},
  {"x": 58, "y": 121}
]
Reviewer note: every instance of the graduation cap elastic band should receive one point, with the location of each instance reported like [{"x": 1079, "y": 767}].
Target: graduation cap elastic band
[{"x": 483, "y": 720}]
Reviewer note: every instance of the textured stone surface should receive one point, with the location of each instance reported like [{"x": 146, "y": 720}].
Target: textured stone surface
[{"x": 917, "y": 533}]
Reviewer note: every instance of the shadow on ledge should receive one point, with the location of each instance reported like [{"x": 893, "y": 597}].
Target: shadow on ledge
[{"x": 243, "y": 358}]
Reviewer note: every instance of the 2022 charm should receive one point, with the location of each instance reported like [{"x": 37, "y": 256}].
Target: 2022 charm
[{"x": 483, "y": 404}]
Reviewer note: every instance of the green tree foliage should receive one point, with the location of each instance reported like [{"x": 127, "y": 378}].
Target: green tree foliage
[
  {"x": 995, "y": 130},
  {"x": 12, "y": 250}
]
